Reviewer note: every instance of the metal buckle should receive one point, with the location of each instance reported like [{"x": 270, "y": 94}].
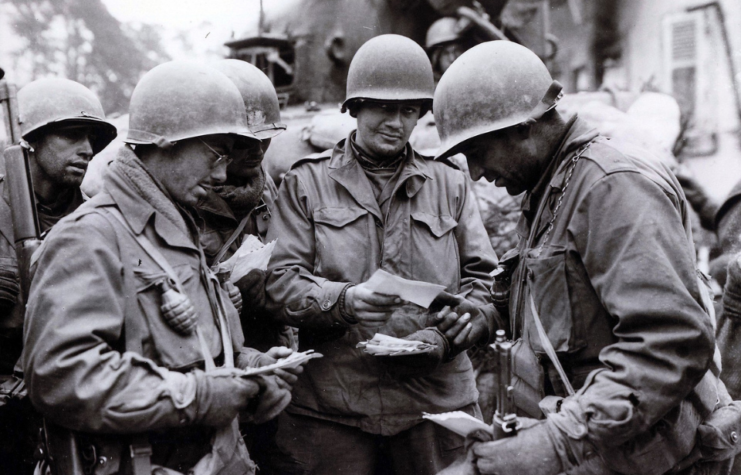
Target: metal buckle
[{"x": 140, "y": 450}]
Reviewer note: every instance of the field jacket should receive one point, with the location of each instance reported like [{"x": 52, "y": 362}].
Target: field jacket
[{"x": 331, "y": 232}]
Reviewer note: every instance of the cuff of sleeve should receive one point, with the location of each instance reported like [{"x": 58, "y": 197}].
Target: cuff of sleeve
[{"x": 330, "y": 295}]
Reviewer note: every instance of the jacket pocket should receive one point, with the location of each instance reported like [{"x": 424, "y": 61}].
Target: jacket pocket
[
  {"x": 548, "y": 285},
  {"x": 342, "y": 237},
  {"x": 435, "y": 257}
]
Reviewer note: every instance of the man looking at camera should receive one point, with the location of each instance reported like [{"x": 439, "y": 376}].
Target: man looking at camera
[{"x": 374, "y": 203}]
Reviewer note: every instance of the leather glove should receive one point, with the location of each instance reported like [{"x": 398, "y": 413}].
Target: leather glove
[
  {"x": 720, "y": 432},
  {"x": 273, "y": 399},
  {"x": 252, "y": 287},
  {"x": 287, "y": 377},
  {"x": 221, "y": 395},
  {"x": 461, "y": 331},
  {"x": 412, "y": 366},
  {"x": 531, "y": 452},
  {"x": 234, "y": 295}
]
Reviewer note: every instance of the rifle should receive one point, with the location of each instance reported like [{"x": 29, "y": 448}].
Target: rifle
[
  {"x": 20, "y": 187},
  {"x": 505, "y": 423}
]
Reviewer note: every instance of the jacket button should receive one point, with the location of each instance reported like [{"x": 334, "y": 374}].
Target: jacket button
[
  {"x": 265, "y": 217},
  {"x": 734, "y": 436},
  {"x": 326, "y": 305}
]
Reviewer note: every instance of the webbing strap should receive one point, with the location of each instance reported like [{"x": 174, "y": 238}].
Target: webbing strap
[
  {"x": 147, "y": 246},
  {"x": 140, "y": 451},
  {"x": 548, "y": 347},
  {"x": 232, "y": 238}
]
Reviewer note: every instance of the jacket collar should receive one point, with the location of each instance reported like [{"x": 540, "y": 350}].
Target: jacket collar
[
  {"x": 345, "y": 169},
  {"x": 138, "y": 211}
]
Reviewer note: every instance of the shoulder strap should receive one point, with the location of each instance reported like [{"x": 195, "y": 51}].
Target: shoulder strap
[
  {"x": 227, "y": 244},
  {"x": 548, "y": 347},
  {"x": 152, "y": 251}
]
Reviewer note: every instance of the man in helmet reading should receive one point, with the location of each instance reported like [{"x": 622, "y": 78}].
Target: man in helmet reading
[
  {"x": 373, "y": 203},
  {"x": 614, "y": 342},
  {"x": 130, "y": 338}
]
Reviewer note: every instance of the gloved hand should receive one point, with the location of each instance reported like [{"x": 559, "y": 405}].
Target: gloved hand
[
  {"x": 234, "y": 295},
  {"x": 273, "y": 399},
  {"x": 530, "y": 452},
  {"x": 720, "y": 432},
  {"x": 421, "y": 364},
  {"x": 221, "y": 395},
  {"x": 287, "y": 377},
  {"x": 252, "y": 287},
  {"x": 461, "y": 321}
]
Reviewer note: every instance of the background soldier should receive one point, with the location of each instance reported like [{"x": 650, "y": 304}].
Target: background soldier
[
  {"x": 64, "y": 125},
  {"x": 243, "y": 204},
  {"x": 373, "y": 203},
  {"x": 124, "y": 313},
  {"x": 605, "y": 281},
  {"x": 240, "y": 207}
]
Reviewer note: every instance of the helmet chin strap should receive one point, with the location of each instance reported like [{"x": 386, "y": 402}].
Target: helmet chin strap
[{"x": 551, "y": 98}]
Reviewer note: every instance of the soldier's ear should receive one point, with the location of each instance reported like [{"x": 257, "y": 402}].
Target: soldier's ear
[{"x": 524, "y": 129}]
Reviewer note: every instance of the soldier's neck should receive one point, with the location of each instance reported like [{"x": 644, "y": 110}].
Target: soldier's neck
[{"x": 47, "y": 191}]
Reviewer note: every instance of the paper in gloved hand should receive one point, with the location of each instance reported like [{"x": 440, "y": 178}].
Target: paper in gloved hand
[
  {"x": 292, "y": 361},
  {"x": 384, "y": 345},
  {"x": 252, "y": 254},
  {"x": 458, "y": 422},
  {"x": 417, "y": 292}
]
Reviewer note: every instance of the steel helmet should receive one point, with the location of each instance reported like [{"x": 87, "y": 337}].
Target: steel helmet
[
  {"x": 490, "y": 87},
  {"x": 54, "y": 101},
  {"x": 258, "y": 94},
  {"x": 442, "y": 31},
  {"x": 182, "y": 99},
  {"x": 390, "y": 68}
]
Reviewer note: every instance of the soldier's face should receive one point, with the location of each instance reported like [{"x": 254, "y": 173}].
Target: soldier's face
[
  {"x": 384, "y": 127},
  {"x": 63, "y": 154},
  {"x": 248, "y": 156},
  {"x": 194, "y": 166},
  {"x": 504, "y": 158}
]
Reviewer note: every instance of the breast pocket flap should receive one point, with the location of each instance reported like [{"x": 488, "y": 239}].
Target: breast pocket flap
[
  {"x": 439, "y": 225},
  {"x": 338, "y": 217}
]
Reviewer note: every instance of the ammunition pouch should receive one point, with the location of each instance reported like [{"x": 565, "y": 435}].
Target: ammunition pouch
[{"x": 74, "y": 453}]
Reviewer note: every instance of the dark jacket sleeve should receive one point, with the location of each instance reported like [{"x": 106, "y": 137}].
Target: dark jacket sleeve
[
  {"x": 630, "y": 237},
  {"x": 76, "y": 371},
  {"x": 296, "y": 296}
]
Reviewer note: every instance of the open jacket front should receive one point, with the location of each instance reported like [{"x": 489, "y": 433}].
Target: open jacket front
[{"x": 331, "y": 232}]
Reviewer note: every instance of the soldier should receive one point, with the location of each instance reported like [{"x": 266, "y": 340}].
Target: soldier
[
  {"x": 240, "y": 207},
  {"x": 373, "y": 203},
  {"x": 64, "y": 126},
  {"x": 124, "y": 313},
  {"x": 243, "y": 204},
  {"x": 446, "y": 40},
  {"x": 605, "y": 282}
]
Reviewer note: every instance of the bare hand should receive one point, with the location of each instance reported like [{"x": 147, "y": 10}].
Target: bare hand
[
  {"x": 369, "y": 308},
  {"x": 287, "y": 376}
]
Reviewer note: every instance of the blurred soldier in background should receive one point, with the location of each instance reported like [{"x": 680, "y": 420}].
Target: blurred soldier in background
[
  {"x": 605, "y": 297},
  {"x": 63, "y": 126},
  {"x": 373, "y": 203},
  {"x": 446, "y": 40},
  {"x": 126, "y": 323}
]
